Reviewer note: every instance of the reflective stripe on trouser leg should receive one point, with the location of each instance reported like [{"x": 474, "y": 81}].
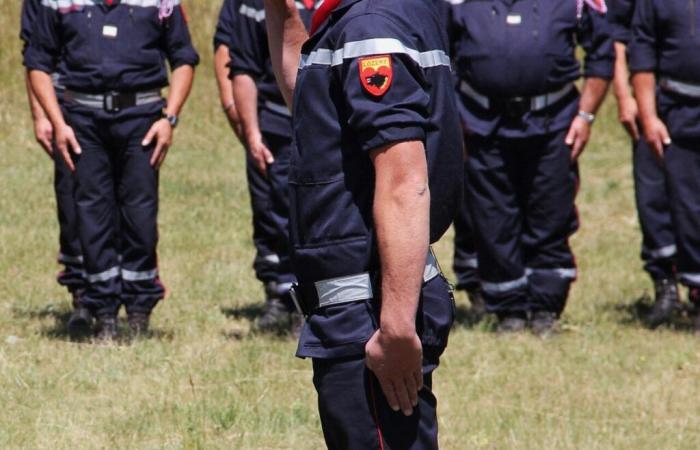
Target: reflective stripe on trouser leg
[
  {"x": 95, "y": 200},
  {"x": 138, "y": 195},
  {"x": 654, "y": 212},
  {"x": 682, "y": 163},
  {"x": 465, "y": 264},
  {"x": 70, "y": 252},
  {"x": 549, "y": 190},
  {"x": 492, "y": 199}
]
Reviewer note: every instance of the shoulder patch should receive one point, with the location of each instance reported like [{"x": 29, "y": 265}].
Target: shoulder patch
[{"x": 376, "y": 74}]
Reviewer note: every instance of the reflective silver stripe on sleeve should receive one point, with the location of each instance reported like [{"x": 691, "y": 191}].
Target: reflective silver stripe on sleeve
[
  {"x": 69, "y": 4},
  {"x": 471, "y": 262},
  {"x": 278, "y": 108},
  {"x": 377, "y": 46},
  {"x": 561, "y": 272},
  {"x": 680, "y": 87},
  {"x": 272, "y": 259},
  {"x": 692, "y": 278},
  {"x": 68, "y": 259},
  {"x": 131, "y": 275},
  {"x": 344, "y": 289},
  {"x": 256, "y": 14},
  {"x": 506, "y": 286},
  {"x": 103, "y": 276},
  {"x": 662, "y": 252}
]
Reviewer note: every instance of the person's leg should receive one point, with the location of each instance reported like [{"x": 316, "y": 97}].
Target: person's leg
[
  {"x": 278, "y": 215},
  {"x": 682, "y": 162},
  {"x": 137, "y": 197},
  {"x": 658, "y": 241},
  {"x": 493, "y": 200},
  {"x": 551, "y": 183},
  {"x": 353, "y": 409},
  {"x": 465, "y": 263},
  {"x": 95, "y": 200}
]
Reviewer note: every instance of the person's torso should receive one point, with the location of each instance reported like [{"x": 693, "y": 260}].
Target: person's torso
[
  {"x": 331, "y": 180},
  {"x": 678, "y": 32}
]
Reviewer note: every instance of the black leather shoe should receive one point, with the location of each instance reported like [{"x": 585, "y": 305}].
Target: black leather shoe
[
  {"x": 544, "y": 324},
  {"x": 138, "y": 322},
  {"x": 476, "y": 300},
  {"x": 80, "y": 323},
  {"x": 511, "y": 323},
  {"x": 275, "y": 317},
  {"x": 106, "y": 328},
  {"x": 666, "y": 302}
]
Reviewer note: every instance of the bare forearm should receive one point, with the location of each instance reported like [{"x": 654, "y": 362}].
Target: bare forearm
[
  {"x": 644, "y": 84},
  {"x": 245, "y": 94},
  {"x": 180, "y": 87},
  {"x": 42, "y": 87},
  {"x": 621, "y": 84},
  {"x": 594, "y": 90},
  {"x": 34, "y": 105},
  {"x": 221, "y": 69},
  {"x": 402, "y": 223},
  {"x": 286, "y": 35}
]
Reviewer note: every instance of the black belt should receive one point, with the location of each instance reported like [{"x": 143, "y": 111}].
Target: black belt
[{"x": 113, "y": 102}]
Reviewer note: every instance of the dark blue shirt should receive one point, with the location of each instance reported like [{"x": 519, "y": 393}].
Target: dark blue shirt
[
  {"x": 29, "y": 11},
  {"x": 620, "y": 13},
  {"x": 376, "y": 73},
  {"x": 102, "y": 48},
  {"x": 523, "y": 48},
  {"x": 224, "y": 27},
  {"x": 666, "y": 41},
  {"x": 251, "y": 56}
]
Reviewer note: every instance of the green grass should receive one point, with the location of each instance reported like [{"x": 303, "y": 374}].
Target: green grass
[{"x": 205, "y": 382}]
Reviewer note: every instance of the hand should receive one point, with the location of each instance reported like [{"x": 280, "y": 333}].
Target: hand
[
  {"x": 577, "y": 137},
  {"x": 67, "y": 142},
  {"x": 162, "y": 132},
  {"x": 396, "y": 361},
  {"x": 656, "y": 135},
  {"x": 235, "y": 121},
  {"x": 628, "y": 113},
  {"x": 43, "y": 132},
  {"x": 262, "y": 156}
]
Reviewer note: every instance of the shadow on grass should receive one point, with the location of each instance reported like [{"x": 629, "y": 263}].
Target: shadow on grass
[
  {"x": 635, "y": 314},
  {"x": 250, "y": 313},
  {"x": 58, "y": 330},
  {"x": 247, "y": 312},
  {"x": 466, "y": 317}
]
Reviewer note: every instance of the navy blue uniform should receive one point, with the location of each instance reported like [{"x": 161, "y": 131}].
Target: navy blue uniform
[
  {"x": 113, "y": 49},
  {"x": 516, "y": 62},
  {"x": 653, "y": 204},
  {"x": 70, "y": 254},
  {"x": 375, "y": 73},
  {"x": 250, "y": 55},
  {"x": 664, "y": 41}
]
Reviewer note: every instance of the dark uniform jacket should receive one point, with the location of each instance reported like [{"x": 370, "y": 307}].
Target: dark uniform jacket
[
  {"x": 251, "y": 55},
  {"x": 102, "y": 48},
  {"x": 522, "y": 48},
  {"x": 666, "y": 40},
  {"x": 376, "y": 73}
]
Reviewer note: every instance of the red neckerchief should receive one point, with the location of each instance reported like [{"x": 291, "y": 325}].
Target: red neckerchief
[{"x": 322, "y": 14}]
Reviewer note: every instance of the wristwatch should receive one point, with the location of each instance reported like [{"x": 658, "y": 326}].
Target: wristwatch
[
  {"x": 588, "y": 117},
  {"x": 172, "y": 120}
]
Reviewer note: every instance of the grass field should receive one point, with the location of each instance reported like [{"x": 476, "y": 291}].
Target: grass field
[{"x": 204, "y": 381}]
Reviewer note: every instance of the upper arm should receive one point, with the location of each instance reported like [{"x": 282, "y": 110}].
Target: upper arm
[
  {"x": 643, "y": 44},
  {"x": 595, "y": 35},
  {"x": 249, "y": 54},
  {"x": 178, "y": 43},
  {"x": 44, "y": 41}
]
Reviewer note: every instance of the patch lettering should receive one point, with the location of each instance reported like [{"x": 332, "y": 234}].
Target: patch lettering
[{"x": 376, "y": 74}]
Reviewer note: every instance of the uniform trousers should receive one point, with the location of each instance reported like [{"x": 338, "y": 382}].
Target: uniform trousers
[
  {"x": 117, "y": 202},
  {"x": 269, "y": 198},
  {"x": 521, "y": 193},
  {"x": 654, "y": 210},
  {"x": 682, "y": 163},
  {"x": 465, "y": 263},
  {"x": 70, "y": 253}
]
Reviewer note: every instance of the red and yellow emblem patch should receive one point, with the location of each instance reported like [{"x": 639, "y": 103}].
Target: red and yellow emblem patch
[{"x": 376, "y": 74}]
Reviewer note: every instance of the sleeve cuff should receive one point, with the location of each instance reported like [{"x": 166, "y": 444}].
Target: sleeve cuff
[
  {"x": 391, "y": 135},
  {"x": 642, "y": 60},
  {"x": 600, "y": 69},
  {"x": 184, "y": 58}
]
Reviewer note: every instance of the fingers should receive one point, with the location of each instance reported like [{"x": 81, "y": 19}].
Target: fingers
[
  {"x": 161, "y": 157},
  {"x": 149, "y": 136},
  {"x": 403, "y": 396},
  {"x": 73, "y": 144},
  {"x": 388, "y": 390},
  {"x": 634, "y": 131},
  {"x": 412, "y": 389},
  {"x": 46, "y": 145},
  {"x": 62, "y": 148},
  {"x": 267, "y": 154},
  {"x": 570, "y": 137},
  {"x": 156, "y": 156}
]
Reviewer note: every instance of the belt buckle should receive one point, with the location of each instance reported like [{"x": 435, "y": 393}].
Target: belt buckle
[
  {"x": 517, "y": 106},
  {"x": 295, "y": 298},
  {"x": 110, "y": 102}
]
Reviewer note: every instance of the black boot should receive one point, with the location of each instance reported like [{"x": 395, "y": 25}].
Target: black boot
[
  {"x": 275, "y": 316},
  {"x": 106, "y": 328},
  {"x": 666, "y": 302},
  {"x": 138, "y": 323},
  {"x": 80, "y": 321},
  {"x": 476, "y": 300},
  {"x": 513, "y": 322},
  {"x": 544, "y": 323}
]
